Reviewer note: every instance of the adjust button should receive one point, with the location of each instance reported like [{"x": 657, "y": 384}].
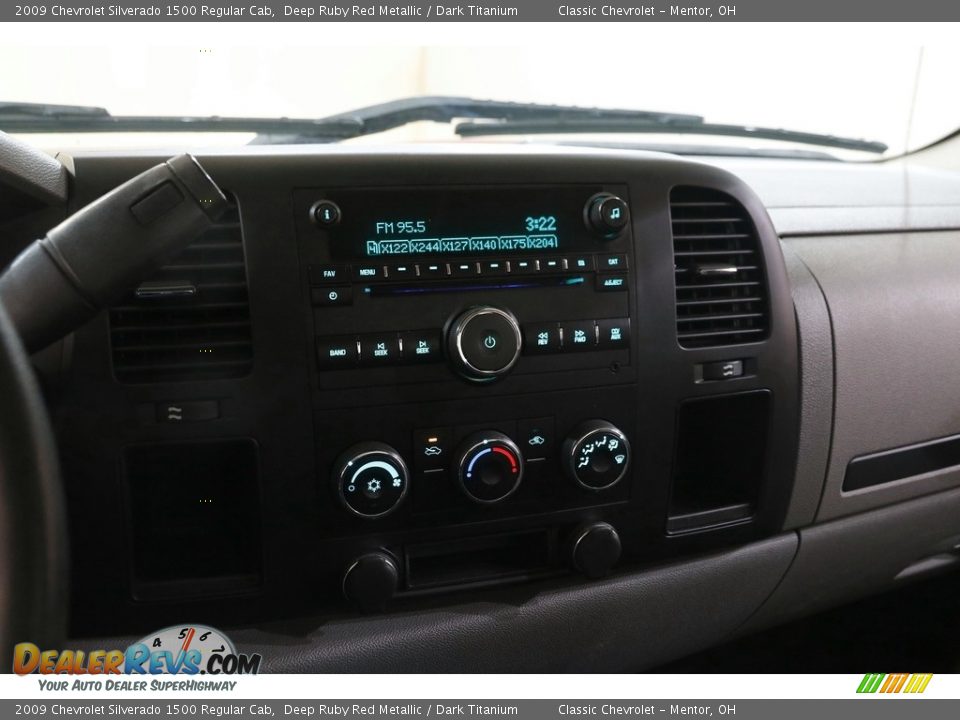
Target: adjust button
[
  {"x": 336, "y": 352},
  {"x": 379, "y": 349},
  {"x": 541, "y": 338},
  {"x": 421, "y": 345},
  {"x": 613, "y": 333},
  {"x": 579, "y": 335}
]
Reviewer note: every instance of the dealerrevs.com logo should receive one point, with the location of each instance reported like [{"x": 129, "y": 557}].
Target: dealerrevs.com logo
[{"x": 176, "y": 650}]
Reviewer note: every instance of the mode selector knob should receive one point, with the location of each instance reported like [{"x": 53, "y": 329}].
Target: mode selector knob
[
  {"x": 371, "y": 479},
  {"x": 606, "y": 214},
  {"x": 596, "y": 455},
  {"x": 489, "y": 467},
  {"x": 484, "y": 343}
]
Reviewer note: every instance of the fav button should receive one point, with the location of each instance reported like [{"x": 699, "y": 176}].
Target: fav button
[{"x": 329, "y": 274}]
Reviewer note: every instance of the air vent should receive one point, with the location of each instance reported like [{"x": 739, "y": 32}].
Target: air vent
[
  {"x": 721, "y": 290},
  {"x": 191, "y": 319}
]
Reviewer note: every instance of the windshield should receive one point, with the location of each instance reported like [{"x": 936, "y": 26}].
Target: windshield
[{"x": 897, "y": 97}]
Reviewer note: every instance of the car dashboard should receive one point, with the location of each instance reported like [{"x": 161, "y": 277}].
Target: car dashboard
[{"x": 509, "y": 408}]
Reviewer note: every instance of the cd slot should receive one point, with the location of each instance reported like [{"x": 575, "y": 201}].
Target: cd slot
[{"x": 454, "y": 286}]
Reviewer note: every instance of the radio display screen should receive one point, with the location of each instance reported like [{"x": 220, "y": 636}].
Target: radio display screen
[{"x": 460, "y": 221}]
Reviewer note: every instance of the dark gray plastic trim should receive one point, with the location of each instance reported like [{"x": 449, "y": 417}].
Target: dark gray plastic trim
[{"x": 31, "y": 171}]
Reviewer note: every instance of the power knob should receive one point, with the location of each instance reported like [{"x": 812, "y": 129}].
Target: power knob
[
  {"x": 371, "y": 581},
  {"x": 484, "y": 343},
  {"x": 595, "y": 549}
]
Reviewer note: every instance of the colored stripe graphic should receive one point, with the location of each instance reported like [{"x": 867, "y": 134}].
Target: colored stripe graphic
[{"x": 892, "y": 683}]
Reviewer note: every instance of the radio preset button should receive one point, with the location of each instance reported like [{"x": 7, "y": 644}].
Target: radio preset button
[
  {"x": 494, "y": 267},
  {"x": 613, "y": 334},
  {"x": 336, "y": 352},
  {"x": 401, "y": 271},
  {"x": 612, "y": 282},
  {"x": 432, "y": 270},
  {"x": 331, "y": 296},
  {"x": 421, "y": 345},
  {"x": 379, "y": 349},
  {"x": 541, "y": 338},
  {"x": 551, "y": 265},
  {"x": 464, "y": 269},
  {"x": 524, "y": 267},
  {"x": 579, "y": 335}
]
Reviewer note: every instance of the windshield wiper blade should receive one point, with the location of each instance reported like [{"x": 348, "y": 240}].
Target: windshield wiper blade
[
  {"x": 41, "y": 118},
  {"x": 447, "y": 108},
  {"x": 670, "y": 127}
]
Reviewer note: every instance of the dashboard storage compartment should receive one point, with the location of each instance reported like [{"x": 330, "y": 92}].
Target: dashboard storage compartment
[
  {"x": 194, "y": 514},
  {"x": 720, "y": 454}
]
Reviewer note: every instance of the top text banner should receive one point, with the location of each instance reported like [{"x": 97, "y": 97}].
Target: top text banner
[{"x": 521, "y": 11}]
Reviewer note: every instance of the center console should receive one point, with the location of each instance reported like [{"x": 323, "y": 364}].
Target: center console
[{"x": 444, "y": 372}]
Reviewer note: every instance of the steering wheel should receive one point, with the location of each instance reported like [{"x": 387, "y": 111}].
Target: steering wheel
[{"x": 33, "y": 532}]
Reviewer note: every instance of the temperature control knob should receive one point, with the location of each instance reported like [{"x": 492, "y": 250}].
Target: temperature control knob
[
  {"x": 371, "y": 479},
  {"x": 606, "y": 214},
  {"x": 489, "y": 467},
  {"x": 597, "y": 455},
  {"x": 484, "y": 343}
]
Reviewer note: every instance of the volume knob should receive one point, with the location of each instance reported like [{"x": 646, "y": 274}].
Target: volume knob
[{"x": 484, "y": 343}]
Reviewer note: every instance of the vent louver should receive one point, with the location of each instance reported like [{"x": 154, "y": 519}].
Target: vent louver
[
  {"x": 721, "y": 289},
  {"x": 191, "y": 319}
]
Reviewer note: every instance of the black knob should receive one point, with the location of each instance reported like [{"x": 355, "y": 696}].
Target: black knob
[
  {"x": 596, "y": 455},
  {"x": 489, "y": 467},
  {"x": 595, "y": 549},
  {"x": 607, "y": 215},
  {"x": 325, "y": 213},
  {"x": 371, "y": 581},
  {"x": 371, "y": 479},
  {"x": 484, "y": 343}
]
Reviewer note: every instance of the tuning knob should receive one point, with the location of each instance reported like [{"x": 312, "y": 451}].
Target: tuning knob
[
  {"x": 484, "y": 343},
  {"x": 595, "y": 549},
  {"x": 596, "y": 455},
  {"x": 489, "y": 467},
  {"x": 371, "y": 581},
  {"x": 371, "y": 479},
  {"x": 606, "y": 215}
]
